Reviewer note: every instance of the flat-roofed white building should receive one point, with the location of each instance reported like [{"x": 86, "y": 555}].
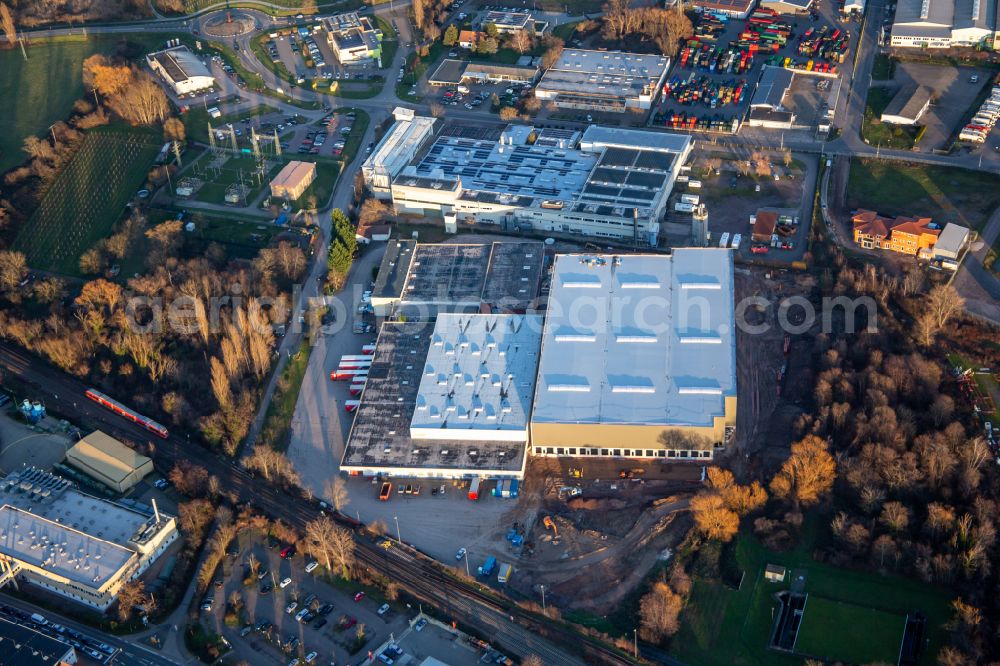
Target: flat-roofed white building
[
  {"x": 638, "y": 356},
  {"x": 182, "y": 70},
  {"x": 390, "y": 436},
  {"x": 478, "y": 379},
  {"x": 604, "y": 80},
  {"x": 80, "y": 547},
  {"x": 507, "y": 22},
  {"x": 353, "y": 37},
  {"x": 607, "y": 182},
  {"x": 396, "y": 149},
  {"x": 952, "y": 241}
]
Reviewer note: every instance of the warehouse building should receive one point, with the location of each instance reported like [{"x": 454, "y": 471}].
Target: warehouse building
[
  {"x": 418, "y": 281},
  {"x": 352, "y": 37},
  {"x": 448, "y": 399},
  {"x": 788, "y": 6},
  {"x": 606, "y": 81},
  {"x": 182, "y": 70},
  {"x": 907, "y": 106},
  {"x": 453, "y": 72},
  {"x": 77, "y": 546},
  {"x": 21, "y": 645},
  {"x": 767, "y": 105},
  {"x": 954, "y": 239},
  {"x": 108, "y": 461},
  {"x": 293, "y": 180},
  {"x": 944, "y": 24},
  {"x": 647, "y": 369},
  {"x": 397, "y": 148},
  {"x": 608, "y": 182},
  {"x": 733, "y": 8}
]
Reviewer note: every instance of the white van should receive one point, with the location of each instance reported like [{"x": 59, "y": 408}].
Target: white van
[{"x": 463, "y": 89}]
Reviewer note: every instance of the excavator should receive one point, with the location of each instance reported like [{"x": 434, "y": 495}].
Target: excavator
[{"x": 549, "y": 525}]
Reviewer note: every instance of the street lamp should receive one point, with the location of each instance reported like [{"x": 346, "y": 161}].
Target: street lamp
[
  {"x": 467, "y": 572},
  {"x": 635, "y": 642},
  {"x": 398, "y": 537},
  {"x": 543, "y": 599}
]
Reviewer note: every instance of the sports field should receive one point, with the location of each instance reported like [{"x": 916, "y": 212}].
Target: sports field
[
  {"x": 88, "y": 197},
  {"x": 724, "y": 626},
  {"x": 839, "y": 631}
]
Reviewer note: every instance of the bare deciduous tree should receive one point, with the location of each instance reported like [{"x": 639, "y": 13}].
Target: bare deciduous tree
[
  {"x": 7, "y": 23},
  {"x": 336, "y": 491},
  {"x": 330, "y": 544},
  {"x": 660, "y": 611}
]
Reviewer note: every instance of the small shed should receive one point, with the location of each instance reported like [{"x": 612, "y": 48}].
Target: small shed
[
  {"x": 774, "y": 573},
  {"x": 112, "y": 463},
  {"x": 763, "y": 226}
]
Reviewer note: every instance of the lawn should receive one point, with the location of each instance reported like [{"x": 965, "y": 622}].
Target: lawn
[
  {"x": 885, "y": 135},
  {"x": 87, "y": 197},
  {"x": 566, "y": 30},
  {"x": 884, "y": 68},
  {"x": 390, "y": 42},
  {"x": 723, "y": 626},
  {"x": 276, "y": 431},
  {"x": 45, "y": 86},
  {"x": 945, "y": 194},
  {"x": 875, "y": 636}
]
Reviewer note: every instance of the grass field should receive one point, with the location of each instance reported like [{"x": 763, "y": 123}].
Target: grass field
[
  {"x": 88, "y": 197},
  {"x": 724, "y": 626},
  {"x": 875, "y": 636},
  {"x": 943, "y": 193},
  {"x": 276, "y": 432}
]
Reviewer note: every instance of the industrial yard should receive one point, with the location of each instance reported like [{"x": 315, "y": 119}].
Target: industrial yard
[{"x": 717, "y": 73}]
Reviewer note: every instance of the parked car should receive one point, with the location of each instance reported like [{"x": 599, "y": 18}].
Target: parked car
[
  {"x": 311, "y": 565},
  {"x": 287, "y": 552},
  {"x": 359, "y": 596},
  {"x": 325, "y": 609},
  {"x": 461, "y": 553},
  {"x": 419, "y": 626},
  {"x": 383, "y": 609},
  {"x": 285, "y": 582},
  {"x": 292, "y": 605}
]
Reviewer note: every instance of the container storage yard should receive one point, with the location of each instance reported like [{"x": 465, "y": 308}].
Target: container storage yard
[{"x": 717, "y": 71}]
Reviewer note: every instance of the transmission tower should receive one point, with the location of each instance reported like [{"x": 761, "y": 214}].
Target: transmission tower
[
  {"x": 177, "y": 152},
  {"x": 211, "y": 140},
  {"x": 277, "y": 143}
]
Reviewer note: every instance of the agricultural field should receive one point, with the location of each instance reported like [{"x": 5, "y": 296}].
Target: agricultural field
[
  {"x": 945, "y": 194},
  {"x": 87, "y": 198},
  {"x": 729, "y": 624}
]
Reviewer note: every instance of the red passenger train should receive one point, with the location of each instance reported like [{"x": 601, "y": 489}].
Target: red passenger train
[{"x": 120, "y": 409}]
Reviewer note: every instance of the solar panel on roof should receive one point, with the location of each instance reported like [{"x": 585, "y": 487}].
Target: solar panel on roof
[
  {"x": 640, "y": 179},
  {"x": 653, "y": 160}
]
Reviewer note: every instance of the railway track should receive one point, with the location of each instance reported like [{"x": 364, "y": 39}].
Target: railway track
[{"x": 516, "y": 630}]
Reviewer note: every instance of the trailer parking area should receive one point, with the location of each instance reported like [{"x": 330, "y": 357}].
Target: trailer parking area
[{"x": 714, "y": 76}]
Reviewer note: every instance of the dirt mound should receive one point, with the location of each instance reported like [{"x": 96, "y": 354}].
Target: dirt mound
[{"x": 607, "y": 504}]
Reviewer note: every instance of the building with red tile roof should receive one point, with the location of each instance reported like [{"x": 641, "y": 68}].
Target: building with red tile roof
[{"x": 907, "y": 235}]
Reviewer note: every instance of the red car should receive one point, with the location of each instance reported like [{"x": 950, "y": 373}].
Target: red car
[
  {"x": 759, "y": 249},
  {"x": 359, "y": 596},
  {"x": 287, "y": 551}
]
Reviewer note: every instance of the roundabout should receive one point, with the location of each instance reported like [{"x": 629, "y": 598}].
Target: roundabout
[{"x": 228, "y": 23}]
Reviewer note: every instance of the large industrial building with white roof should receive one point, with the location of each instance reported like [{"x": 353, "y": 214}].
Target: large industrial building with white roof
[
  {"x": 77, "y": 546},
  {"x": 634, "y": 357},
  {"x": 638, "y": 356},
  {"x": 942, "y": 24},
  {"x": 182, "y": 70},
  {"x": 604, "y": 80},
  {"x": 604, "y": 182}
]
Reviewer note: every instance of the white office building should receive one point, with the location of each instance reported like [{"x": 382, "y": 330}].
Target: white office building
[
  {"x": 77, "y": 546},
  {"x": 608, "y": 182}
]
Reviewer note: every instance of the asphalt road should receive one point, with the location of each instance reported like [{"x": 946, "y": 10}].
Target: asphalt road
[
  {"x": 515, "y": 630},
  {"x": 128, "y": 654}
]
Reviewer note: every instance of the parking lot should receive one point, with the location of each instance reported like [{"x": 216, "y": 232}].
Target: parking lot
[
  {"x": 712, "y": 80},
  {"x": 286, "y": 612},
  {"x": 309, "y": 56},
  {"x": 953, "y": 94}
]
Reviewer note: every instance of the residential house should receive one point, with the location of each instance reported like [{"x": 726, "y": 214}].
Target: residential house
[
  {"x": 907, "y": 235},
  {"x": 468, "y": 39}
]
